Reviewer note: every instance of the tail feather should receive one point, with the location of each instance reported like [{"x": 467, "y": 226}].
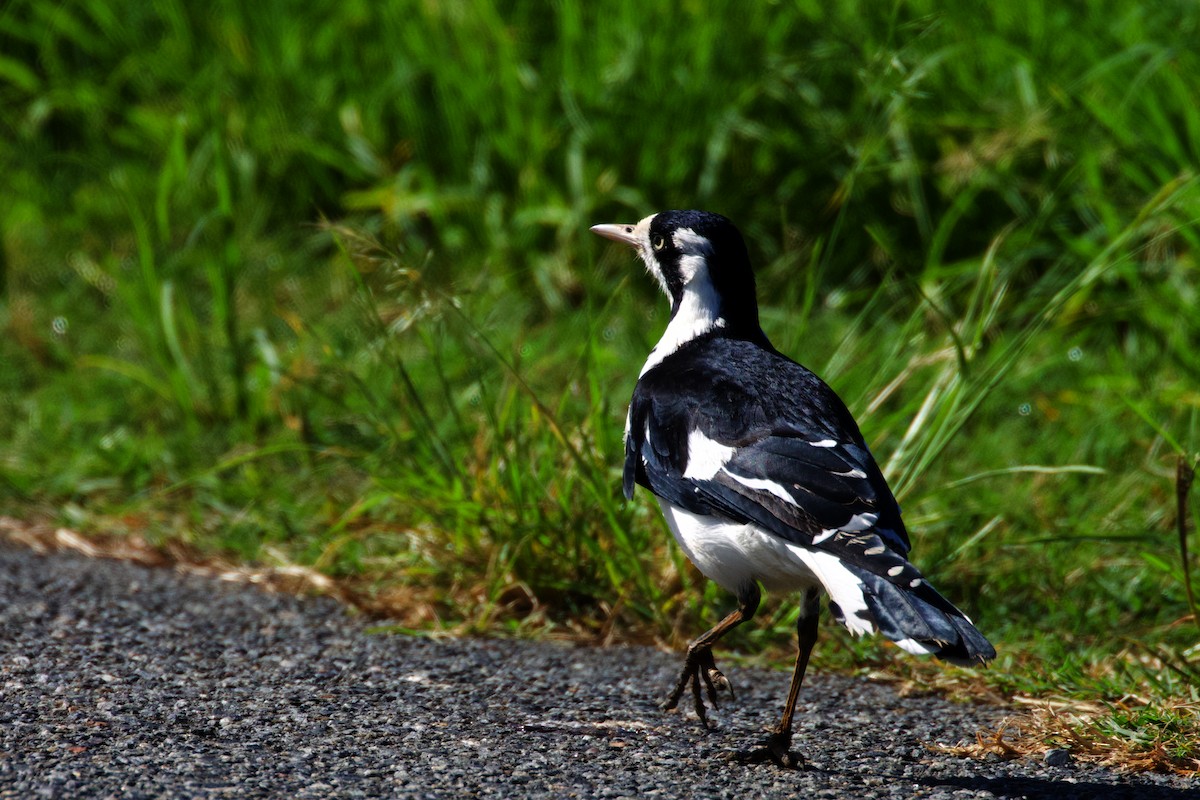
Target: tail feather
[
  {"x": 908, "y": 611},
  {"x": 921, "y": 620}
]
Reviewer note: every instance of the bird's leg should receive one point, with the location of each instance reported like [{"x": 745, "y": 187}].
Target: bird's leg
[
  {"x": 777, "y": 747},
  {"x": 699, "y": 665}
]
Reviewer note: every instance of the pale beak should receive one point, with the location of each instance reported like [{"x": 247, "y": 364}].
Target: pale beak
[{"x": 618, "y": 233}]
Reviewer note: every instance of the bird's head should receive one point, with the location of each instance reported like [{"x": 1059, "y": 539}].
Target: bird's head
[{"x": 701, "y": 263}]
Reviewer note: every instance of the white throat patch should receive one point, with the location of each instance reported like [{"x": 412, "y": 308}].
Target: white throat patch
[{"x": 699, "y": 308}]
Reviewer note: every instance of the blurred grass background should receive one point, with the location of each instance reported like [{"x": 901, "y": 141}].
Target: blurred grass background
[{"x": 311, "y": 284}]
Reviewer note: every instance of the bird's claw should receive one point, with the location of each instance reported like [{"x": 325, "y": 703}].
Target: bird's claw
[
  {"x": 699, "y": 668},
  {"x": 776, "y": 749},
  {"x": 716, "y": 682}
]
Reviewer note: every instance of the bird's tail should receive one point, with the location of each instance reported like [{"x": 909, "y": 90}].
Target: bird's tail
[
  {"x": 905, "y": 609},
  {"x": 920, "y": 620}
]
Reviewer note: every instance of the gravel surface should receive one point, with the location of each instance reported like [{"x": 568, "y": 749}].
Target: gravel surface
[{"x": 122, "y": 681}]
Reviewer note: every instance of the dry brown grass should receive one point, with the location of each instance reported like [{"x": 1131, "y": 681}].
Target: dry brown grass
[{"x": 1094, "y": 734}]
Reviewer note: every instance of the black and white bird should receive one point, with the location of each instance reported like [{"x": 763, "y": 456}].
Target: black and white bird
[{"x": 761, "y": 472}]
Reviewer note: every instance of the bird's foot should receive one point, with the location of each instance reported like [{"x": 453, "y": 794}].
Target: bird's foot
[
  {"x": 776, "y": 749},
  {"x": 700, "y": 668}
]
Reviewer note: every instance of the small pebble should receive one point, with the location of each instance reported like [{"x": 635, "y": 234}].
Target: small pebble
[{"x": 1058, "y": 757}]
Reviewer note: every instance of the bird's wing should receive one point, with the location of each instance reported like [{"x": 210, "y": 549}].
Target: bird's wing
[
  {"x": 800, "y": 471},
  {"x": 810, "y": 491}
]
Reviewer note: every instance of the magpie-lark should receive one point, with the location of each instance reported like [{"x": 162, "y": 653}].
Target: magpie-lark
[{"x": 761, "y": 472}]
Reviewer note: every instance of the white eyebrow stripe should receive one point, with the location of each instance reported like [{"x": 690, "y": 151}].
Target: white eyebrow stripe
[{"x": 692, "y": 243}]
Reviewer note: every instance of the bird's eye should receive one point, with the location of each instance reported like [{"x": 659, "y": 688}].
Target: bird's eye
[{"x": 658, "y": 241}]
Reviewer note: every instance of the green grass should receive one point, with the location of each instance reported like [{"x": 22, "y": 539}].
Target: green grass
[{"x": 315, "y": 286}]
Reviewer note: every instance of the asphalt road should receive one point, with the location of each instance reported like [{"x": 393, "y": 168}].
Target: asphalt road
[{"x": 118, "y": 680}]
